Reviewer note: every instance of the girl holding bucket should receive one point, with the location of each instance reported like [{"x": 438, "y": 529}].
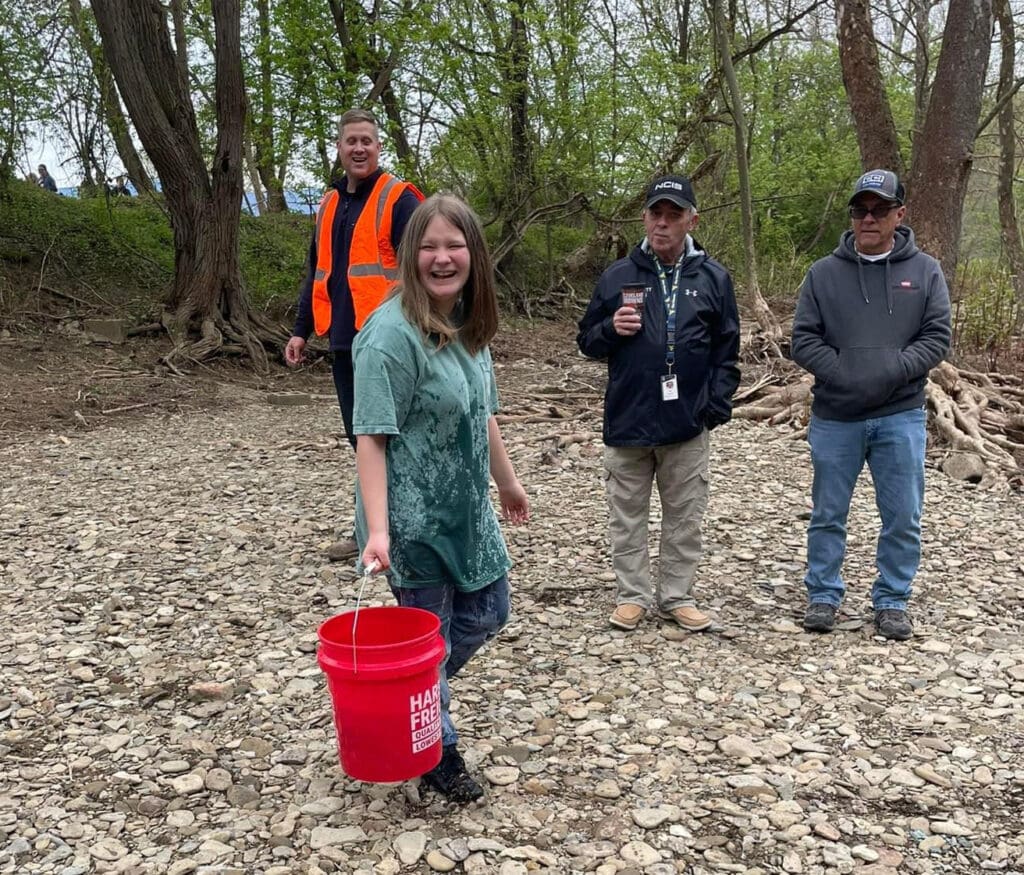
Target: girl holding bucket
[{"x": 428, "y": 442}]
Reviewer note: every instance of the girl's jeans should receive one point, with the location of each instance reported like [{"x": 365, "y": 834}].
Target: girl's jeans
[{"x": 468, "y": 621}]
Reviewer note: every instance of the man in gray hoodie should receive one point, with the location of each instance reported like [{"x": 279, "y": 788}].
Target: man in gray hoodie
[{"x": 872, "y": 320}]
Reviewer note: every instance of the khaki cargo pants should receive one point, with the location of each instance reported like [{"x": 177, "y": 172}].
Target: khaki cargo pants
[{"x": 681, "y": 472}]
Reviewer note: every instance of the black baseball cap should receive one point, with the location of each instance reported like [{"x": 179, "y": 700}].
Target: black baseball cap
[
  {"x": 675, "y": 189},
  {"x": 883, "y": 183}
]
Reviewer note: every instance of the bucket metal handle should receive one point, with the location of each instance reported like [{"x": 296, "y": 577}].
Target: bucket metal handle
[{"x": 368, "y": 571}]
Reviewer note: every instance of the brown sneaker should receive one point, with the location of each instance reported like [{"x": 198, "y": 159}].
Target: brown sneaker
[
  {"x": 691, "y": 619},
  {"x": 626, "y": 617},
  {"x": 343, "y": 550}
]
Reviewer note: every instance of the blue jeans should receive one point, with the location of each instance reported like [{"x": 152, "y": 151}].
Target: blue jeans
[
  {"x": 893, "y": 446},
  {"x": 468, "y": 621}
]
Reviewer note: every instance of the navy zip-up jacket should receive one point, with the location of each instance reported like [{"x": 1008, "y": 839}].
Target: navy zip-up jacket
[
  {"x": 343, "y": 314},
  {"x": 706, "y": 353},
  {"x": 869, "y": 331}
]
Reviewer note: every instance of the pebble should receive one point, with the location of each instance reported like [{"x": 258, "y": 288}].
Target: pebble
[
  {"x": 325, "y": 836},
  {"x": 950, "y": 828},
  {"x": 438, "y": 862},
  {"x": 502, "y": 776},
  {"x": 410, "y": 847},
  {"x": 863, "y": 852},
  {"x": 932, "y": 777},
  {"x": 736, "y": 746},
  {"x": 640, "y": 853},
  {"x": 827, "y": 831},
  {"x": 188, "y": 784},
  {"x": 651, "y": 818}
]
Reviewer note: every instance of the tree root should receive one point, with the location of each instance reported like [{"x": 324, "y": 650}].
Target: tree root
[{"x": 250, "y": 335}]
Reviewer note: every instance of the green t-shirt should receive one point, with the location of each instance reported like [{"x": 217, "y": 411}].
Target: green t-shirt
[{"x": 434, "y": 406}]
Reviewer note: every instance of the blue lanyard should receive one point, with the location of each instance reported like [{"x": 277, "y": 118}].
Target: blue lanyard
[{"x": 670, "y": 295}]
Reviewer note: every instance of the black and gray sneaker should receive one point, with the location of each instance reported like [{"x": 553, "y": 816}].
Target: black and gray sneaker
[
  {"x": 450, "y": 778},
  {"x": 820, "y": 617},
  {"x": 894, "y": 624}
]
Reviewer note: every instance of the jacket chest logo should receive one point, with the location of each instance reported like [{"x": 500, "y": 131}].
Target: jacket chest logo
[{"x": 690, "y": 293}]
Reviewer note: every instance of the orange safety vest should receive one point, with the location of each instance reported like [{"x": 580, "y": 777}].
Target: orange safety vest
[{"x": 372, "y": 262}]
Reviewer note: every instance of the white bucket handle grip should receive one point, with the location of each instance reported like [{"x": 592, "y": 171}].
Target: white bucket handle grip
[{"x": 368, "y": 571}]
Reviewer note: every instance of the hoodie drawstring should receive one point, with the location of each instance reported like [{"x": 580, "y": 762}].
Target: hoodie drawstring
[
  {"x": 864, "y": 289},
  {"x": 860, "y": 280},
  {"x": 888, "y": 288}
]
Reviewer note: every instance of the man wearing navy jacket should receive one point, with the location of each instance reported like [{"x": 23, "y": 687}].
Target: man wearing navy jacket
[{"x": 665, "y": 319}]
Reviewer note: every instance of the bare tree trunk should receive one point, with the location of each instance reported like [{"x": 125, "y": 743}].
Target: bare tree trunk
[
  {"x": 920, "y": 12},
  {"x": 263, "y": 128},
  {"x": 520, "y": 183},
  {"x": 207, "y": 295},
  {"x": 110, "y": 103},
  {"x": 1009, "y": 225},
  {"x": 518, "y": 85},
  {"x": 862, "y": 76},
  {"x": 766, "y": 320},
  {"x": 254, "y": 176},
  {"x": 938, "y": 180}
]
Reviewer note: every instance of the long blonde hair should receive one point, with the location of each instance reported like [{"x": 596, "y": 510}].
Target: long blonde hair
[{"x": 479, "y": 296}]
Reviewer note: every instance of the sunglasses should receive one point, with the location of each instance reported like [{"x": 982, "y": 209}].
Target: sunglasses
[{"x": 878, "y": 211}]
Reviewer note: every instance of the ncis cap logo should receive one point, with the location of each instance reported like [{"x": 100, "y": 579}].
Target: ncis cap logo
[{"x": 674, "y": 189}]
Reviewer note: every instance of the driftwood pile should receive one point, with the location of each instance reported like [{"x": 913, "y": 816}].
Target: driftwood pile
[{"x": 977, "y": 419}]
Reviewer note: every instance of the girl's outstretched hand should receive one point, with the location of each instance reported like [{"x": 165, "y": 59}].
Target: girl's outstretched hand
[{"x": 515, "y": 506}]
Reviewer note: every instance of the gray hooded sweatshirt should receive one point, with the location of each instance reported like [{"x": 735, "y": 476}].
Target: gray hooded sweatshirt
[{"x": 869, "y": 331}]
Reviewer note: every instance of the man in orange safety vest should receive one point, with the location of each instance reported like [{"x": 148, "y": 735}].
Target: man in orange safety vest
[{"x": 352, "y": 259}]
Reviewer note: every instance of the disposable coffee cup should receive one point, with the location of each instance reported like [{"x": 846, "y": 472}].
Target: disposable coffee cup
[{"x": 633, "y": 295}]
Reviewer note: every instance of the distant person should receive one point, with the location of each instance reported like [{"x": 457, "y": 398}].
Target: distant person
[
  {"x": 429, "y": 444},
  {"x": 871, "y": 321},
  {"x": 44, "y": 179},
  {"x": 118, "y": 188},
  {"x": 353, "y": 260},
  {"x": 665, "y": 319}
]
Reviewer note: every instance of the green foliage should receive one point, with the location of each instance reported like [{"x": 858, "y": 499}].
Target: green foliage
[
  {"x": 22, "y": 64},
  {"x": 118, "y": 255},
  {"x": 86, "y": 248},
  {"x": 985, "y": 310},
  {"x": 534, "y": 258},
  {"x": 274, "y": 249},
  {"x": 613, "y": 91},
  {"x": 804, "y": 152}
]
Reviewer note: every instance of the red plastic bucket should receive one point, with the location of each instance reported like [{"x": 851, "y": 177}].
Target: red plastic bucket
[{"x": 386, "y": 691}]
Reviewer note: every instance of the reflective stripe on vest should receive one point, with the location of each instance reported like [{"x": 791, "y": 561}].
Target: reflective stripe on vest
[
  {"x": 373, "y": 264},
  {"x": 324, "y": 258}
]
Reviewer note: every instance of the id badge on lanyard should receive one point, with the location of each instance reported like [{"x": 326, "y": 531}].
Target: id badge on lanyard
[
  {"x": 669, "y": 387},
  {"x": 670, "y": 293}
]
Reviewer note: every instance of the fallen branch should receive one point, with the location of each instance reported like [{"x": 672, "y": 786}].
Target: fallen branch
[
  {"x": 66, "y": 296},
  {"x": 129, "y": 407},
  {"x": 148, "y": 328}
]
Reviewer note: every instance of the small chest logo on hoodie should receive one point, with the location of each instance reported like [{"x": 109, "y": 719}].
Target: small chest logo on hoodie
[
  {"x": 690, "y": 293},
  {"x": 907, "y": 286}
]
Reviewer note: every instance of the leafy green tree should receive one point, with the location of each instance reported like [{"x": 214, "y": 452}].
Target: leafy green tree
[{"x": 26, "y": 44}]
